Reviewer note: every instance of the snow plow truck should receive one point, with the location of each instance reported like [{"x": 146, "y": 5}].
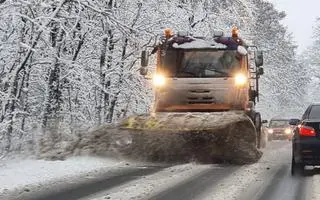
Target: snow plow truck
[{"x": 205, "y": 95}]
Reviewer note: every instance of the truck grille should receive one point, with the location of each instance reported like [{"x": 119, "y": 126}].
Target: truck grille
[
  {"x": 278, "y": 131},
  {"x": 203, "y": 100},
  {"x": 200, "y": 96}
]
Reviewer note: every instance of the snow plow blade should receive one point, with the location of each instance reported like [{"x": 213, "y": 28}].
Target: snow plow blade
[{"x": 202, "y": 137}]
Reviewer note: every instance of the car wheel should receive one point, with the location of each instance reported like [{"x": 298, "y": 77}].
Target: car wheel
[
  {"x": 296, "y": 168},
  {"x": 293, "y": 167}
]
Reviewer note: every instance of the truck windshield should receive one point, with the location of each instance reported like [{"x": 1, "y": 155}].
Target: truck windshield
[{"x": 191, "y": 63}]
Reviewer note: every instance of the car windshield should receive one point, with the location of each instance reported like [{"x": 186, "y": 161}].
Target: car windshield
[
  {"x": 278, "y": 123},
  {"x": 200, "y": 63}
]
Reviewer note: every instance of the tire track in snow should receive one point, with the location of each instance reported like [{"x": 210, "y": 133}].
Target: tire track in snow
[
  {"x": 251, "y": 177},
  {"x": 192, "y": 181},
  {"x": 194, "y": 187},
  {"x": 286, "y": 187},
  {"x": 147, "y": 187},
  {"x": 277, "y": 182},
  {"x": 104, "y": 182},
  {"x": 187, "y": 181}
]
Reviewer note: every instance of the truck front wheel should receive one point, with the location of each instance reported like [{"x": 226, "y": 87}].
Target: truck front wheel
[{"x": 258, "y": 124}]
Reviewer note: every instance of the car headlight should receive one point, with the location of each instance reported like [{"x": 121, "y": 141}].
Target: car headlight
[
  {"x": 270, "y": 131},
  {"x": 158, "y": 80},
  {"x": 287, "y": 131},
  {"x": 240, "y": 79}
]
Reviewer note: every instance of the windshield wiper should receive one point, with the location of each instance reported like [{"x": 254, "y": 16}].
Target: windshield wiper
[
  {"x": 218, "y": 71},
  {"x": 185, "y": 72}
]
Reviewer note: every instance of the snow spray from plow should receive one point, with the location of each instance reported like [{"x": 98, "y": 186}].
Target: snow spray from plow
[
  {"x": 203, "y": 137},
  {"x": 168, "y": 137}
]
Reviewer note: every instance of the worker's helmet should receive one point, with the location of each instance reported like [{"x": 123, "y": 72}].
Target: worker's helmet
[{"x": 235, "y": 31}]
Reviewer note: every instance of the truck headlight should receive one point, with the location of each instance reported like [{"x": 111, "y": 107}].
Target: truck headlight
[
  {"x": 158, "y": 80},
  {"x": 240, "y": 79},
  {"x": 270, "y": 131}
]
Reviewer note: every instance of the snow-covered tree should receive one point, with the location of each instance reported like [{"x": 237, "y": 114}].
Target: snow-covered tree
[{"x": 311, "y": 59}]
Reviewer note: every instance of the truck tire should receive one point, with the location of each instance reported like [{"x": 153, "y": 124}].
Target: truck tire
[
  {"x": 264, "y": 139},
  {"x": 256, "y": 119},
  {"x": 258, "y": 124}
]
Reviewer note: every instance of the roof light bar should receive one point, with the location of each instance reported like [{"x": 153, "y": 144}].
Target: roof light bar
[
  {"x": 218, "y": 33},
  {"x": 183, "y": 33}
]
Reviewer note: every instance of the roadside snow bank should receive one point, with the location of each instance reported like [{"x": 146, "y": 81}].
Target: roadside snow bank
[
  {"x": 315, "y": 187},
  {"x": 22, "y": 175}
]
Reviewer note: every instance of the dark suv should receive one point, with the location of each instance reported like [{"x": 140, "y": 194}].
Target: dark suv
[{"x": 306, "y": 139}]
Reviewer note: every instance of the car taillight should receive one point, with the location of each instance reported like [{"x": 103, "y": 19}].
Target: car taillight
[{"x": 307, "y": 131}]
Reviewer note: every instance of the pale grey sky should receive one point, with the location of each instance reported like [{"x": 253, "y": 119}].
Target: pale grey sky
[{"x": 301, "y": 15}]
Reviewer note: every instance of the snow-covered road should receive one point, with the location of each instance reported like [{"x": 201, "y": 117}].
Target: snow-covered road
[{"x": 99, "y": 179}]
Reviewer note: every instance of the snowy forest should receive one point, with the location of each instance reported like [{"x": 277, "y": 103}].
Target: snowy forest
[
  {"x": 67, "y": 65},
  {"x": 311, "y": 57}
]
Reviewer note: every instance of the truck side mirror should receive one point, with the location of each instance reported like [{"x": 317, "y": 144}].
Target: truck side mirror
[
  {"x": 242, "y": 50},
  {"x": 258, "y": 58},
  {"x": 143, "y": 71},
  {"x": 144, "y": 58},
  {"x": 260, "y": 71},
  {"x": 294, "y": 122}
]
